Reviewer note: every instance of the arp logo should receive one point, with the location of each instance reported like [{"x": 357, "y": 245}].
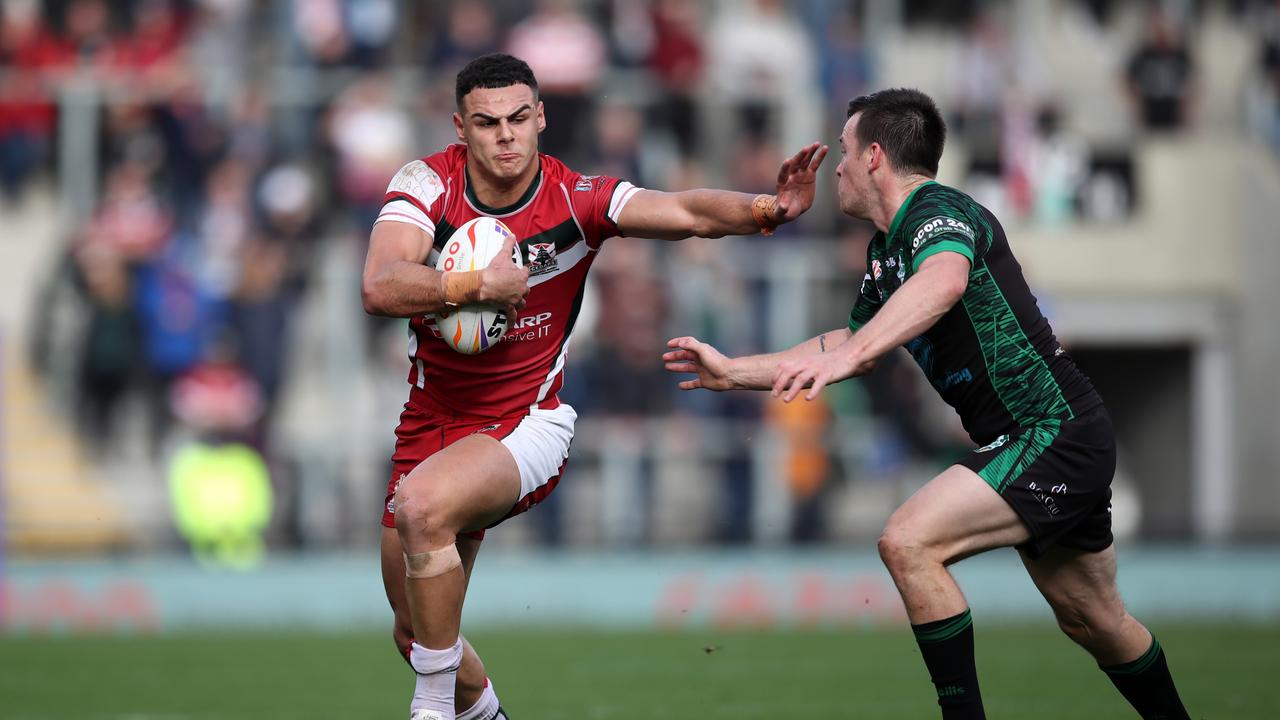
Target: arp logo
[
  {"x": 529, "y": 321},
  {"x": 529, "y": 327}
]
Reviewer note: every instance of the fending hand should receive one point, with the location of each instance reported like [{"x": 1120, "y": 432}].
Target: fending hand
[{"x": 797, "y": 182}]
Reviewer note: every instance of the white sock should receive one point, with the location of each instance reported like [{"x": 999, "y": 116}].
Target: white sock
[
  {"x": 486, "y": 708},
  {"x": 437, "y": 672}
]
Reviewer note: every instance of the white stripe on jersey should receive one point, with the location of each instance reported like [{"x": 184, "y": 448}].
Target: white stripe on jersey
[
  {"x": 569, "y": 203},
  {"x": 401, "y": 211},
  {"x": 622, "y": 194},
  {"x": 420, "y": 182},
  {"x": 556, "y": 367},
  {"x": 413, "y": 358}
]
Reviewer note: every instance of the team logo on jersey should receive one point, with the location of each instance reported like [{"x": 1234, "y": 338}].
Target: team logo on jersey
[
  {"x": 994, "y": 444},
  {"x": 584, "y": 183},
  {"x": 542, "y": 259}
]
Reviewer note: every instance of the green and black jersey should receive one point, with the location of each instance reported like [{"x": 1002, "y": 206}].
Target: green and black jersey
[{"x": 993, "y": 356}]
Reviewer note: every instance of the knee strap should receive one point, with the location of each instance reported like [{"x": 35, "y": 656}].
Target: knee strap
[{"x": 432, "y": 563}]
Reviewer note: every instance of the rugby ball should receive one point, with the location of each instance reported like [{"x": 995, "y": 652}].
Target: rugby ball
[{"x": 472, "y": 329}]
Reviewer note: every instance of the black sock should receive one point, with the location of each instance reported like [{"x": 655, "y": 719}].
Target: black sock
[
  {"x": 947, "y": 647},
  {"x": 1148, "y": 686}
]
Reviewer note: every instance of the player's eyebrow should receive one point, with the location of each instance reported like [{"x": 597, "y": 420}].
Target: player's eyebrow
[{"x": 484, "y": 116}]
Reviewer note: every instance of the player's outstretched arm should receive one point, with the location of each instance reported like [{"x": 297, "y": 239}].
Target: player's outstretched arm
[
  {"x": 754, "y": 372},
  {"x": 716, "y": 213},
  {"x": 914, "y": 308},
  {"x": 396, "y": 283}
]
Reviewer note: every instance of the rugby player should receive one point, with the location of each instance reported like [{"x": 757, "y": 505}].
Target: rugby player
[
  {"x": 942, "y": 281},
  {"x": 484, "y": 437}
]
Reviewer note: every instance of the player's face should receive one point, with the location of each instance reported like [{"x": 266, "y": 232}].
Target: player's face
[
  {"x": 500, "y": 127},
  {"x": 853, "y": 178}
]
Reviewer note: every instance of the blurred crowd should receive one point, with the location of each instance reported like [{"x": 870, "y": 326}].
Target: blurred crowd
[{"x": 234, "y": 139}]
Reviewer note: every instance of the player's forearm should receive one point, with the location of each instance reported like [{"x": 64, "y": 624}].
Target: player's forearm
[
  {"x": 403, "y": 289},
  {"x": 920, "y": 303},
  {"x": 716, "y": 213},
  {"x": 755, "y": 372}
]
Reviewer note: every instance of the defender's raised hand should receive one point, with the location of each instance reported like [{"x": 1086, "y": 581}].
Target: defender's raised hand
[
  {"x": 692, "y": 356},
  {"x": 797, "y": 182}
]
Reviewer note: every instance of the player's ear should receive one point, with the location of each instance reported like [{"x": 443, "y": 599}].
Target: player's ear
[
  {"x": 542, "y": 118},
  {"x": 875, "y": 158},
  {"x": 457, "y": 127}
]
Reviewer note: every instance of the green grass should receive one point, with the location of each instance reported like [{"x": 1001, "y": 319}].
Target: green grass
[{"x": 1225, "y": 672}]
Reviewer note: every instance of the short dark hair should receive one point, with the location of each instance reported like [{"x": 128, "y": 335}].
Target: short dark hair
[
  {"x": 495, "y": 70},
  {"x": 906, "y": 123}
]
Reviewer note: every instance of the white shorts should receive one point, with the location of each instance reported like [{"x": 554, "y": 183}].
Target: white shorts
[{"x": 537, "y": 439}]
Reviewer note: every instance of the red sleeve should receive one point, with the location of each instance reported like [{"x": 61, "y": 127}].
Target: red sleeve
[
  {"x": 415, "y": 195},
  {"x": 597, "y": 202}
]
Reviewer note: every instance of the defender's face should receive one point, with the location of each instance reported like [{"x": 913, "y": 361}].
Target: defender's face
[
  {"x": 853, "y": 173},
  {"x": 500, "y": 127}
]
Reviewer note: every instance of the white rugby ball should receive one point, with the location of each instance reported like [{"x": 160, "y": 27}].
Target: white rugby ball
[{"x": 472, "y": 329}]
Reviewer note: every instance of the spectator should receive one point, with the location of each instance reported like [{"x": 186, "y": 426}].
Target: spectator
[
  {"x": 618, "y": 129},
  {"x": 848, "y": 66},
  {"x": 371, "y": 134},
  {"x": 980, "y": 74},
  {"x": 567, "y": 54},
  {"x": 110, "y": 339},
  {"x": 31, "y": 55},
  {"x": 318, "y": 32},
  {"x": 223, "y": 228},
  {"x": 468, "y": 32},
  {"x": 153, "y": 48},
  {"x": 371, "y": 25},
  {"x": 676, "y": 60},
  {"x": 761, "y": 60},
  {"x": 88, "y": 32},
  {"x": 260, "y": 315},
  {"x": 1161, "y": 76}
]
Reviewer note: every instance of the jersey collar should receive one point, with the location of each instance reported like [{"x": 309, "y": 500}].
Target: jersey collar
[
  {"x": 509, "y": 209},
  {"x": 902, "y": 210}
]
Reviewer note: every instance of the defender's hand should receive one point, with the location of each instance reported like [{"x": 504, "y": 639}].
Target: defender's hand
[
  {"x": 797, "y": 182},
  {"x": 815, "y": 372},
  {"x": 503, "y": 283},
  {"x": 692, "y": 356}
]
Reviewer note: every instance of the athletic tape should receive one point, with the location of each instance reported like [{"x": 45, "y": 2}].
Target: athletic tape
[{"x": 432, "y": 563}]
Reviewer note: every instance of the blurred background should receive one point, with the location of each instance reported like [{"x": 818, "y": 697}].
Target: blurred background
[{"x": 197, "y": 416}]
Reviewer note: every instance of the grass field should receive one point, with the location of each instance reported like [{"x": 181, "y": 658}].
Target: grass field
[{"x": 1226, "y": 672}]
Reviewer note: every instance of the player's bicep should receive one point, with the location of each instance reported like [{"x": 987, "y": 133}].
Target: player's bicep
[
  {"x": 393, "y": 242},
  {"x": 947, "y": 271},
  {"x": 656, "y": 214}
]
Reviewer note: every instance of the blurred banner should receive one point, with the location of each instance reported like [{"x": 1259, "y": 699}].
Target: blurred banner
[{"x": 676, "y": 590}]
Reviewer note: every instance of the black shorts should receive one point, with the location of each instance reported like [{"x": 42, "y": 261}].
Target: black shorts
[{"x": 1057, "y": 476}]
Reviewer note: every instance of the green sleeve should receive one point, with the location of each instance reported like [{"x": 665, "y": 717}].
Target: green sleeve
[
  {"x": 941, "y": 225},
  {"x": 867, "y": 305}
]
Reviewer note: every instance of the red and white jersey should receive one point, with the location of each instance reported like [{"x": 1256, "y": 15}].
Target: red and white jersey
[{"x": 562, "y": 221}]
